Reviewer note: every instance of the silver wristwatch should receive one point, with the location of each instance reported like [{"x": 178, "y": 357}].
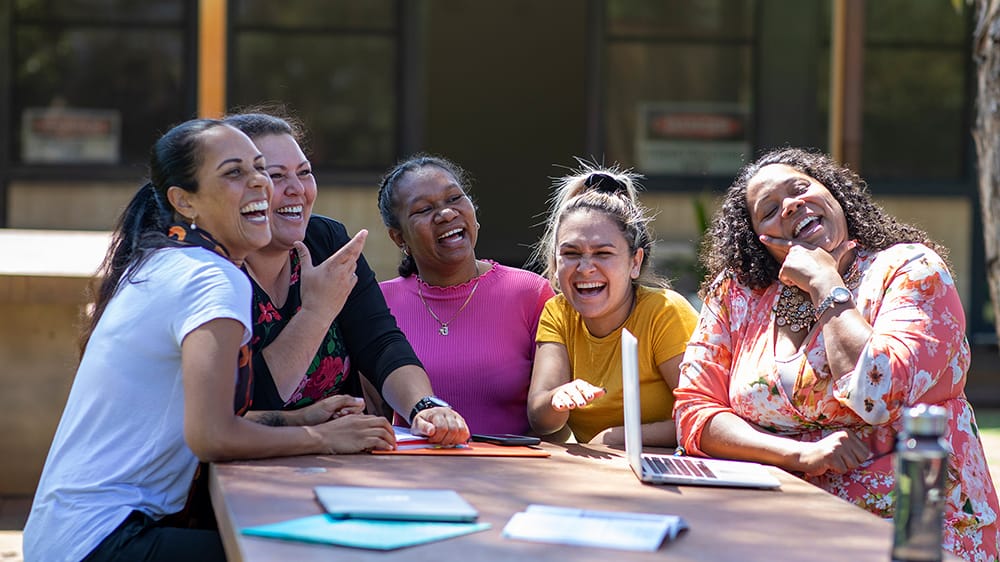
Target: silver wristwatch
[
  {"x": 425, "y": 403},
  {"x": 839, "y": 295}
]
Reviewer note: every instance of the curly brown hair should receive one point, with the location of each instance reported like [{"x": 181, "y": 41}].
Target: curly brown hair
[{"x": 731, "y": 246}]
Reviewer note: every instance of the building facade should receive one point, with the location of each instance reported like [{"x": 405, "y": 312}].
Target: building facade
[{"x": 513, "y": 90}]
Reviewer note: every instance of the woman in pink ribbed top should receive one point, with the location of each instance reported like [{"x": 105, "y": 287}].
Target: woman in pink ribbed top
[{"x": 471, "y": 322}]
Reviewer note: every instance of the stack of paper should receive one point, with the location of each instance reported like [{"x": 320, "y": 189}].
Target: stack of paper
[
  {"x": 607, "y": 529},
  {"x": 405, "y": 439}
]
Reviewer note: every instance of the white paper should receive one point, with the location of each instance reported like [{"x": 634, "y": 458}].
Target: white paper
[
  {"x": 606, "y": 529},
  {"x": 403, "y": 434},
  {"x": 405, "y": 439}
]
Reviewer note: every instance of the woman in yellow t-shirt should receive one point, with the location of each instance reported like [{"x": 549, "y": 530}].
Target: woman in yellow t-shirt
[{"x": 595, "y": 252}]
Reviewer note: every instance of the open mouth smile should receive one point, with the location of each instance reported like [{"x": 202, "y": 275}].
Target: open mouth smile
[
  {"x": 255, "y": 211},
  {"x": 454, "y": 234},
  {"x": 289, "y": 211},
  {"x": 803, "y": 224},
  {"x": 589, "y": 287}
]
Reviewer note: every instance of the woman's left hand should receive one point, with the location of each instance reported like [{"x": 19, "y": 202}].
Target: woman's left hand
[
  {"x": 840, "y": 452},
  {"x": 442, "y": 426}
]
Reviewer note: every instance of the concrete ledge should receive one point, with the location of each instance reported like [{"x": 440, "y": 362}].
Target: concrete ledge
[
  {"x": 52, "y": 253},
  {"x": 48, "y": 266}
]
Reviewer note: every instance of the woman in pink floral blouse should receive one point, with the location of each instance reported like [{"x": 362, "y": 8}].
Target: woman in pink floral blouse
[{"x": 823, "y": 319}]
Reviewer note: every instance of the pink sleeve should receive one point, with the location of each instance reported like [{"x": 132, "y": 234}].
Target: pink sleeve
[
  {"x": 703, "y": 390},
  {"x": 917, "y": 351}
]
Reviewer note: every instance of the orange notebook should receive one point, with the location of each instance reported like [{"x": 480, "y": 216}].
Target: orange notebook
[{"x": 471, "y": 450}]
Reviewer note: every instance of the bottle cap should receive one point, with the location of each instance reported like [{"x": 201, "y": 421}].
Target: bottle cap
[{"x": 923, "y": 419}]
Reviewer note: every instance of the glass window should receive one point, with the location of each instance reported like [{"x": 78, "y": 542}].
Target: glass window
[
  {"x": 334, "y": 64},
  {"x": 916, "y": 60},
  {"x": 92, "y": 85},
  {"x": 707, "y": 19},
  {"x": 678, "y": 85},
  {"x": 126, "y": 11},
  {"x": 350, "y": 15}
]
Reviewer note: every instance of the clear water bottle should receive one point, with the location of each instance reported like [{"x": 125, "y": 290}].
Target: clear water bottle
[{"x": 921, "y": 463}]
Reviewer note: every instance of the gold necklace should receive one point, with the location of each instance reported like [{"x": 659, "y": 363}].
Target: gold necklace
[{"x": 443, "y": 330}]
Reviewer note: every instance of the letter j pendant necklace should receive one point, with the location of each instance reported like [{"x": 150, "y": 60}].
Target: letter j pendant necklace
[{"x": 443, "y": 330}]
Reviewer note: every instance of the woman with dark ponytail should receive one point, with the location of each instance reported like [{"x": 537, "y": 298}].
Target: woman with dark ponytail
[
  {"x": 154, "y": 393},
  {"x": 472, "y": 322},
  {"x": 596, "y": 251}
]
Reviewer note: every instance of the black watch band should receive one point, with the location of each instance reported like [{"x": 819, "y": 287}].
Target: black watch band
[{"x": 425, "y": 403}]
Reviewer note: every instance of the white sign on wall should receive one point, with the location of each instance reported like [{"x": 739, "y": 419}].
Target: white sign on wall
[
  {"x": 63, "y": 135},
  {"x": 691, "y": 138}
]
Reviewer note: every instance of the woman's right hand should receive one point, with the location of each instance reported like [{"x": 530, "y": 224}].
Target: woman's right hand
[
  {"x": 839, "y": 452},
  {"x": 355, "y": 433},
  {"x": 810, "y": 267},
  {"x": 325, "y": 287},
  {"x": 575, "y": 394},
  {"x": 329, "y": 408}
]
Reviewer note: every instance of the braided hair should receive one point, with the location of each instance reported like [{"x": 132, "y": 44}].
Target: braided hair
[{"x": 387, "y": 194}]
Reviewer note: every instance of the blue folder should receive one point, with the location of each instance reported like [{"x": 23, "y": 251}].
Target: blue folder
[{"x": 363, "y": 533}]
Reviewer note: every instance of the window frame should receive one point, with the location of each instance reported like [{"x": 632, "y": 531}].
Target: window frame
[
  {"x": 597, "y": 75},
  {"x": 407, "y": 72},
  {"x": 77, "y": 173}
]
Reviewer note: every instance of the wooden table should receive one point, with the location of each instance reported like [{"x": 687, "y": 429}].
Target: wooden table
[{"x": 797, "y": 522}]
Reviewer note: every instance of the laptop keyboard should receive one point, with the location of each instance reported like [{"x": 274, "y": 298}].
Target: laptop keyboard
[{"x": 679, "y": 466}]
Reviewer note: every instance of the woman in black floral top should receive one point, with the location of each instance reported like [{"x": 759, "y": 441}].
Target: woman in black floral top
[{"x": 319, "y": 315}]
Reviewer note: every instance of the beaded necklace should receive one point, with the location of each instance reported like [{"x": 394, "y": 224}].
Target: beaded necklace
[{"x": 795, "y": 308}]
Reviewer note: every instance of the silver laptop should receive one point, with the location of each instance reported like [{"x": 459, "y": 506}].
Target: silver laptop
[
  {"x": 669, "y": 469},
  {"x": 399, "y": 504}
]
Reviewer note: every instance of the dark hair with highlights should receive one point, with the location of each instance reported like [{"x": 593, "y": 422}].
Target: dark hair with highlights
[
  {"x": 731, "y": 245},
  {"x": 268, "y": 119},
  {"x": 387, "y": 194},
  {"x": 610, "y": 191},
  {"x": 142, "y": 227}
]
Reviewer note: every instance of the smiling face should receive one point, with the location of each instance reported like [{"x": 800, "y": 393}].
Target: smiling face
[
  {"x": 595, "y": 268},
  {"x": 437, "y": 222},
  {"x": 233, "y": 192},
  {"x": 294, "y": 188},
  {"x": 786, "y": 203}
]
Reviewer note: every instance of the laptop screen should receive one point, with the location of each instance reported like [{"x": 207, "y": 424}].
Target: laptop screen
[
  {"x": 681, "y": 470},
  {"x": 630, "y": 398}
]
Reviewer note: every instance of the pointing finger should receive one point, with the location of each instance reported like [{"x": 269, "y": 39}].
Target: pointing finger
[
  {"x": 775, "y": 242},
  {"x": 350, "y": 251}
]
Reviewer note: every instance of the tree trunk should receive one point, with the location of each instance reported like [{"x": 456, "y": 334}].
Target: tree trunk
[{"x": 986, "y": 133}]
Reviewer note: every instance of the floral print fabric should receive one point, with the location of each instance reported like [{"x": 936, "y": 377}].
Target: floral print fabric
[
  {"x": 917, "y": 354},
  {"x": 330, "y": 366}
]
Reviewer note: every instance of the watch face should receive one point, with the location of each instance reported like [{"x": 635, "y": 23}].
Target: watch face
[
  {"x": 427, "y": 402},
  {"x": 841, "y": 295},
  {"x": 437, "y": 402}
]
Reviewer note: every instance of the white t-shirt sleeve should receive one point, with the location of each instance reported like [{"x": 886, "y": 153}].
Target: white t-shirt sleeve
[{"x": 213, "y": 291}]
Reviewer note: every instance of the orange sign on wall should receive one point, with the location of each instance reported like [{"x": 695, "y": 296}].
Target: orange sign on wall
[{"x": 691, "y": 138}]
